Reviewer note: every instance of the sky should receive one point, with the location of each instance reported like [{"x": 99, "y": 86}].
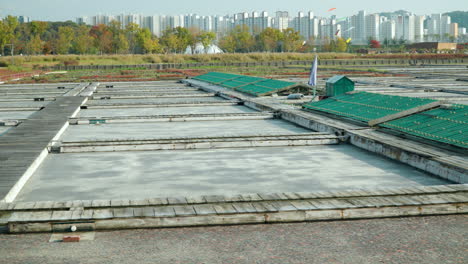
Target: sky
[{"x": 61, "y": 10}]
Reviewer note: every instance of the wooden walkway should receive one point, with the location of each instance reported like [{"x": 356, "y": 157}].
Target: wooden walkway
[{"x": 20, "y": 146}]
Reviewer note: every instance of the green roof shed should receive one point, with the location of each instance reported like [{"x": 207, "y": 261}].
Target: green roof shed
[{"x": 339, "y": 84}]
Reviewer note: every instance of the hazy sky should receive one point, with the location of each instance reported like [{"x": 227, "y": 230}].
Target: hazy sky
[{"x": 70, "y": 9}]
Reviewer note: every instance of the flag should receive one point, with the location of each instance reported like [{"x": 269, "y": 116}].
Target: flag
[{"x": 313, "y": 73}]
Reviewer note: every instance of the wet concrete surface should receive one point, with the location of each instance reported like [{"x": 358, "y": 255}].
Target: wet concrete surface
[
  {"x": 3, "y": 129},
  {"x": 164, "y": 111},
  {"x": 139, "y": 175},
  {"x": 15, "y": 114},
  {"x": 23, "y": 104},
  {"x": 156, "y": 101},
  {"x": 179, "y": 129}
]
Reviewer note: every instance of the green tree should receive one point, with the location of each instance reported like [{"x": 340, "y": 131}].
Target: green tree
[
  {"x": 269, "y": 39},
  {"x": 183, "y": 38},
  {"x": 144, "y": 41},
  {"x": 169, "y": 41},
  {"x": 327, "y": 46},
  {"x": 244, "y": 40},
  {"x": 206, "y": 39},
  {"x": 38, "y": 27},
  {"x": 228, "y": 43},
  {"x": 130, "y": 31},
  {"x": 7, "y": 31},
  {"x": 194, "y": 37},
  {"x": 35, "y": 45},
  {"x": 177, "y": 39},
  {"x": 64, "y": 40},
  {"x": 83, "y": 41},
  {"x": 120, "y": 43},
  {"x": 291, "y": 40}
]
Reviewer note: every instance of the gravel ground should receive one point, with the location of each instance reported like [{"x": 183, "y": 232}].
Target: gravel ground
[{"x": 441, "y": 239}]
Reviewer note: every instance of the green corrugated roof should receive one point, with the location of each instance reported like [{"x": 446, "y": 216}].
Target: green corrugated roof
[
  {"x": 365, "y": 106},
  {"x": 447, "y": 125},
  {"x": 247, "y": 84},
  {"x": 336, "y": 78}
]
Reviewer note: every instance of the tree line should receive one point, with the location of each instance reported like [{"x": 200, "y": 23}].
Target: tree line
[{"x": 39, "y": 37}]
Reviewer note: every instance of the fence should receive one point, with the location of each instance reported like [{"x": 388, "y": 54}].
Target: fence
[{"x": 351, "y": 62}]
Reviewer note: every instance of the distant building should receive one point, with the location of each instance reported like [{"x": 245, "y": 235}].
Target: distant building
[
  {"x": 388, "y": 30},
  {"x": 419, "y": 28},
  {"x": 373, "y": 27},
  {"x": 361, "y": 27},
  {"x": 439, "y": 46},
  {"x": 24, "y": 19},
  {"x": 454, "y": 30},
  {"x": 281, "y": 20}
]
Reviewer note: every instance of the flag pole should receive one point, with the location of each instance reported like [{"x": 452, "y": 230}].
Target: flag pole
[{"x": 313, "y": 77}]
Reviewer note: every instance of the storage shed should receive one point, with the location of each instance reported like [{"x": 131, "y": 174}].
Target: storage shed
[{"x": 339, "y": 84}]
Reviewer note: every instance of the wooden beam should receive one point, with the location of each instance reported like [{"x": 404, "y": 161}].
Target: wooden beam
[{"x": 408, "y": 112}]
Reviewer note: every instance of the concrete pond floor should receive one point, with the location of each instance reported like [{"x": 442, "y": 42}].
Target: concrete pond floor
[
  {"x": 157, "y": 101},
  {"x": 3, "y": 129},
  {"x": 164, "y": 111},
  {"x": 179, "y": 129},
  {"x": 140, "y": 175},
  {"x": 15, "y": 114}
]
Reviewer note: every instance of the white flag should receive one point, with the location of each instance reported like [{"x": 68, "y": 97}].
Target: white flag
[{"x": 313, "y": 73}]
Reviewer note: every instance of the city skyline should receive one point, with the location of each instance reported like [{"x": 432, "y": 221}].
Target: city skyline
[
  {"x": 47, "y": 9},
  {"x": 359, "y": 27}
]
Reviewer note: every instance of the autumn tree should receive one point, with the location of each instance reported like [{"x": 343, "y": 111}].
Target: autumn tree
[
  {"x": 120, "y": 43},
  {"x": 102, "y": 38},
  {"x": 375, "y": 44},
  {"x": 341, "y": 45}
]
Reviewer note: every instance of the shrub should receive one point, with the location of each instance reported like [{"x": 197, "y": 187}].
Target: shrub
[{"x": 71, "y": 63}]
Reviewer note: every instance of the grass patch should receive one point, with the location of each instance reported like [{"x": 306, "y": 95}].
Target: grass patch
[{"x": 52, "y": 60}]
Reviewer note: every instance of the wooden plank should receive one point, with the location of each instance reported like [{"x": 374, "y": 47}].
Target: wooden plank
[
  {"x": 184, "y": 210},
  {"x": 166, "y": 211},
  {"x": 408, "y": 112},
  {"x": 143, "y": 212},
  {"x": 21, "y": 145}
]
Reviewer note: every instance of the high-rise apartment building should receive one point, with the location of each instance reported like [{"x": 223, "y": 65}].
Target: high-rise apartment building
[
  {"x": 408, "y": 28},
  {"x": 419, "y": 28},
  {"x": 372, "y": 27},
  {"x": 360, "y": 34},
  {"x": 388, "y": 30},
  {"x": 281, "y": 20},
  {"x": 360, "y": 27}
]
